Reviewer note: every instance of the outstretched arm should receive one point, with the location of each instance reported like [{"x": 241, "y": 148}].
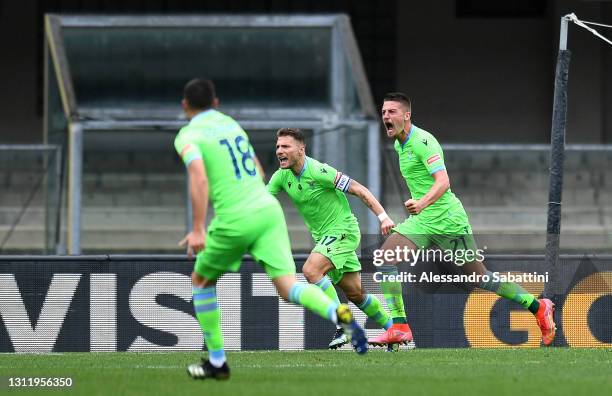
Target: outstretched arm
[{"x": 386, "y": 224}]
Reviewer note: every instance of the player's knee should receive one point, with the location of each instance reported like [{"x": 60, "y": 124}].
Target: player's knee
[
  {"x": 198, "y": 280},
  {"x": 355, "y": 296},
  {"x": 312, "y": 273}
]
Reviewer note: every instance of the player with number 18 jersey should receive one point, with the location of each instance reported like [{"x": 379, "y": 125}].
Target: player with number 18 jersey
[
  {"x": 222, "y": 167},
  {"x": 243, "y": 207}
]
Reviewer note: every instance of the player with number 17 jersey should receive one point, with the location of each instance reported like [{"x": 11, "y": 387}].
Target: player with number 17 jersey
[{"x": 318, "y": 193}]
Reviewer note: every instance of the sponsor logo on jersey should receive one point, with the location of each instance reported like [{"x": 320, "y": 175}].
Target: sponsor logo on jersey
[
  {"x": 425, "y": 142},
  {"x": 433, "y": 159},
  {"x": 289, "y": 184},
  {"x": 323, "y": 170}
]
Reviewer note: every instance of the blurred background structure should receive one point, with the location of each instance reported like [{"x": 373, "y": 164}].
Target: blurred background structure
[
  {"x": 111, "y": 92},
  {"x": 480, "y": 74}
]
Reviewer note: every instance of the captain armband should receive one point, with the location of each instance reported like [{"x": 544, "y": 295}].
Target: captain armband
[{"x": 342, "y": 182}]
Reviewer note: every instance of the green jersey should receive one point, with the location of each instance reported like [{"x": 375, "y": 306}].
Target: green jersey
[
  {"x": 420, "y": 156},
  {"x": 236, "y": 186},
  {"x": 318, "y": 193}
]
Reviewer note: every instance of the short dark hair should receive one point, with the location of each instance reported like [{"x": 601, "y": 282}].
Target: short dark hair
[
  {"x": 295, "y": 133},
  {"x": 398, "y": 97},
  {"x": 199, "y": 93}
]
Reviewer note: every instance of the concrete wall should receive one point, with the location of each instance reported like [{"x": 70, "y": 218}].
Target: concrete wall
[
  {"x": 471, "y": 79},
  {"x": 20, "y": 106},
  {"x": 491, "y": 80}
]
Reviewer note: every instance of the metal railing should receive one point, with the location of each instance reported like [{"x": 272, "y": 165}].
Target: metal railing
[{"x": 44, "y": 163}]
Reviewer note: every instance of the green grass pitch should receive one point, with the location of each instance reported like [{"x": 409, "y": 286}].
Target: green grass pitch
[{"x": 553, "y": 371}]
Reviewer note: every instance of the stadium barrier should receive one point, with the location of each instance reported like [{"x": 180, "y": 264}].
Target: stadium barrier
[
  {"x": 143, "y": 303},
  {"x": 30, "y": 203}
]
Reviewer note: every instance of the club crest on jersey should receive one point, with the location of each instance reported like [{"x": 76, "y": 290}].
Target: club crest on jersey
[
  {"x": 425, "y": 142},
  {"x": 433, "y": 159},
  {"x": 323, "y": 170},
  {"x": 300, "y": 187},
  {"x": 289, "y": 184},
  {"x": 311, "y": 183}
]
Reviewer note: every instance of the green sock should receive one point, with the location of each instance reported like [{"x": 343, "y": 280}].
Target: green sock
[
  {"x": 512, "y": 291},
  {"x": 313, "y": 298},
  {"x": 209, "y": 315},
  {"x": 329, "y": 289},
  {"x": 393, "y": 295},
  {"x": 375, "y": 311}
]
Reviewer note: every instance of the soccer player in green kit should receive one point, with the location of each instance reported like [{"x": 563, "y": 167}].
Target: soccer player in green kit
[
  {"x": 437, "y": 217},
  {"x": 318, "y": 191},
  {"x": 221, "y": 162}
]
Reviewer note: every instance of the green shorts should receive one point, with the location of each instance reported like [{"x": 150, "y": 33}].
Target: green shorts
[
  {"x": 262, "y": 233},
  {"x": 339, "y": 247},
  {"x": 451, "y": 234}
]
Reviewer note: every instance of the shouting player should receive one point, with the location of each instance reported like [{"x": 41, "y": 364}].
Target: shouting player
[
  {"x": 222, "y": 166},
  {"x": 437, "y": 217},
  {"x": 318, "y": 192}
]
